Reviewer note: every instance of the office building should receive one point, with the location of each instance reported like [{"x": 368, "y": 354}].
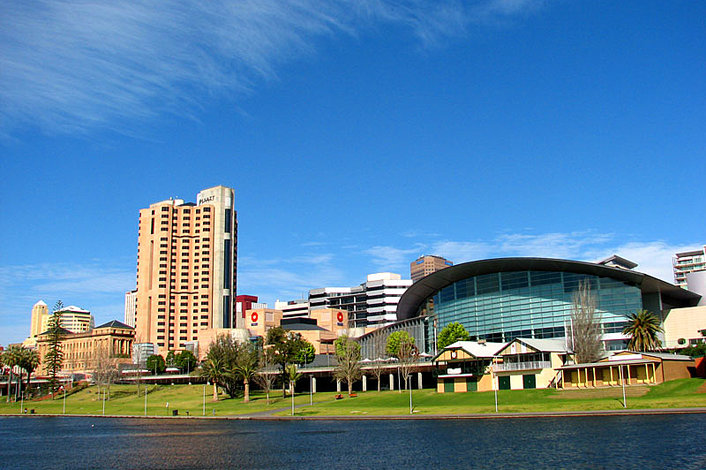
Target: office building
[
  {"x": 38, "y": 323},
  {"x": 427, "y": 264},
  {"x": 294, "y": 308},
  {"x": 244, "y": 303},
  {"x": 688, "y": 262},
  {"x": 186, "y": 268},
  {"x": 75, "y": 319},
  {"x": 131, "y": 307},
  {"x": 370, "y": 305}
]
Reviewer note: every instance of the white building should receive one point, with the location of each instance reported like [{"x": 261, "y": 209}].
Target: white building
[
  {"x": 688, "y": 262},
  {"x": 75, "y": 319},
  {"x": 131, "y": 307},
  {"x": 371, "y": 304}
]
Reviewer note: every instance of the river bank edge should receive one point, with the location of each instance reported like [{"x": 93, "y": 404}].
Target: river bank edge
[{"x": 473, "y": 416}]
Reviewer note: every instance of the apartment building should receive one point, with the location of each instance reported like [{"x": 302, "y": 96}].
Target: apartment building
[
  {"x": 186, "y": 268},
  {"x": 688, "y": 262}
]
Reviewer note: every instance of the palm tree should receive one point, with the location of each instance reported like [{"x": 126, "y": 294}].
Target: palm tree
[
  {"x": 642, "y": 328},
  {"x": 246, "y": 367},
  {"x": 29, "y": 361},
  {"x": 213, "y": 368}
]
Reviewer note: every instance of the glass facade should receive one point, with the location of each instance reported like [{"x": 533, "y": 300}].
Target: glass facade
[{"x": 530, "y": 304}]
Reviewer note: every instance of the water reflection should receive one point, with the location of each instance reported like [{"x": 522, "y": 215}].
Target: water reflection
[{"x": 667, "y": 441}]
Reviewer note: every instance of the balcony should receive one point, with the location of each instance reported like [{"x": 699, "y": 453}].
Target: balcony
[{"x": 530, "y": 365}]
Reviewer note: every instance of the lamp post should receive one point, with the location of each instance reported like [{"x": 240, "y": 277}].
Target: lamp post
[
  {"x": 495, "y": 385},
  {"x": 145, "y": 399},
  {"x": 204, "y": 396},
  {"x": 103, "y": 402},
  {"x": 64, "y": 407},
  {"x": 625, "y": 403}
]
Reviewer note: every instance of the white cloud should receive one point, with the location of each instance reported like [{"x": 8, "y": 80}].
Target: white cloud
[
  {"x": 97, "y": 286},
  {"x": 393, "y": 259},
  {"x": 68, "y": 66},
  {"x": 654, "y": 257}
]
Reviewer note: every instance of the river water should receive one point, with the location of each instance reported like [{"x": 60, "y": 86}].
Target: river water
[{"x": 644, "y": 442}]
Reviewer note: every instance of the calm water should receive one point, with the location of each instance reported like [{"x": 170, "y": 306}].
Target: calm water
[{"x": 645, "y": 442}]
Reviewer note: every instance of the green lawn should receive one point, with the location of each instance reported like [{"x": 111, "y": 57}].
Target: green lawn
[{"x": 682, "y": 393}]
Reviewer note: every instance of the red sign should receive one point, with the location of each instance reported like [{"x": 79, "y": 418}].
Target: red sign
[
  {"x": 340, "y": 316},
  {"x": 253, "y": 317}
]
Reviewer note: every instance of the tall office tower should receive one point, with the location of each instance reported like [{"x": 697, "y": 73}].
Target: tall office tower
[
  {"x": 186, "y": 268},
  {"x": 427, "y": 264},
  {"x": 130, "y": 307},
  {"x": 688, "y": 262},
  {"x": 40, "y": 317}
]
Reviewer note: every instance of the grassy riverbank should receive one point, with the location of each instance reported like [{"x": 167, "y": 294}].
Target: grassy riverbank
[{"x": 189, "y": 399}]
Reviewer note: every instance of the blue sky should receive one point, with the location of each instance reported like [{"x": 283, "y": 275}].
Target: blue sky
[{"x": 357, "y": 135}]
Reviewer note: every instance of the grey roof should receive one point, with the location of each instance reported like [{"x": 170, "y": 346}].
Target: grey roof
[
  {"x": 301, "y": 327},
  {"x": 416, "y": 294},
  {"x": 116, "y": 324}
]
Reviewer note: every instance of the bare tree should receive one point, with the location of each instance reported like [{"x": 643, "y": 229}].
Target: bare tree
[
  {"x": 267, "y": 375},
  {"x": 348, "y": 359},
  {"x": 585, "y": 327},
  {"x": 377, "y": 367},
  {"x": 407, "y": 354},
  {"x": 105, "y": 368}
]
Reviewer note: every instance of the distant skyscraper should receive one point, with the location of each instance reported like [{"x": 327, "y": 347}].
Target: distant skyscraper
[
  {"x": 186, "y": 268},
  {"x": 427, "y": 264},
  {"x": 688, "y": 262},
  {"x": 40, "y": 316},
  {"x": 130, "y": 307}
]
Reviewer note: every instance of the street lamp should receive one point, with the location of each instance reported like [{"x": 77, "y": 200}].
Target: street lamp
[
  {"x": 495, "y": 385},
  {"x": 204, "y": 396},
  {"x": 145, "y": 399},
  {"x": 64, "y": 407}
]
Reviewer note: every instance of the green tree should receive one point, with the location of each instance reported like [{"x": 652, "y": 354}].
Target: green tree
[
  {"x": 156, "y": 364},
  {"x": 213, "y": 370},
  {"x": 395, "y": 340},
  {"x": 348, "y": 359},
  {"x": 287, "y": 348},
  {"x": 186, "y": 361},
  {"x": 292, "y": 376},
  {"x": 697, "y": 350},
  {"x": 304, "y": 352},
  {"x": 450, "y": 334},
  {"x": 585, "y": 325},
  {"x": 54, "y": 357},
  {"x": 170, "y": 359},
  {"x": 642, "y": 328},
  {"x": 246, "y": 367}
]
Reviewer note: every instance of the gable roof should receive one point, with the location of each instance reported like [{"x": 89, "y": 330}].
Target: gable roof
[
  {"x": 475, "y": 349},
  {"x": 545, "y": 345}
]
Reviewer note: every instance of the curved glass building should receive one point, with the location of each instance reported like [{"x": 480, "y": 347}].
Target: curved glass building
[{"x": 502, "y": 299}]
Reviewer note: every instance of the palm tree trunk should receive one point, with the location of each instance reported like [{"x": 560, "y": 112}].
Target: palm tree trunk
[
  {"x": 215, "y": 391},
  {"x": 247, "y": 391}
]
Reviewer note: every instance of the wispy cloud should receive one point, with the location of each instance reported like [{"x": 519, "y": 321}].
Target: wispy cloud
[
  {"x": 68, "y": 66},
  {"x": 97, "y": 286},
  {"x": 654, "y": 257}
]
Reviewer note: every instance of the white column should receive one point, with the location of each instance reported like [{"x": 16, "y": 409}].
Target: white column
[
  {"x": 392, "y": 381},
  {"x": 419, "y": 380},
  {"x": 365, "y": 383},
  {"x": 338, "y": 386}
]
